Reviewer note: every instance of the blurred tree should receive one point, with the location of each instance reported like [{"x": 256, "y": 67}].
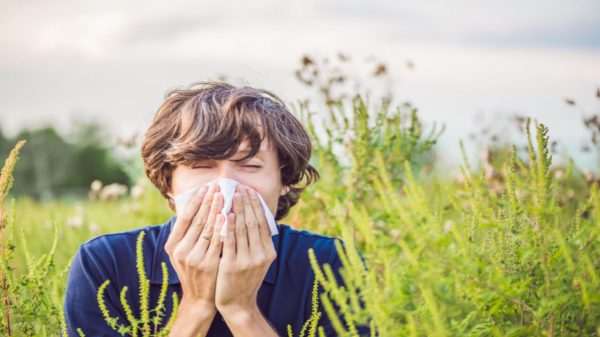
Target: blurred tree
[{"x": 50, "y": 167}]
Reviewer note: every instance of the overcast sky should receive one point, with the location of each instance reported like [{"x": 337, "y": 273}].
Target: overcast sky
[{"x": 474, "y": 60}]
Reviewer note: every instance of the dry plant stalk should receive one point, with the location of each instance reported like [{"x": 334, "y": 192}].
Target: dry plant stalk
[{"x": 6, "y": 180}]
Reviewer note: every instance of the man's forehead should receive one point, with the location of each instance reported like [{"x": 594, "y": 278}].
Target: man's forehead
[{"x": 245, "y": 148}]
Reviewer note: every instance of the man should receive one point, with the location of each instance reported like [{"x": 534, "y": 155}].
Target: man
[{"x": 245, "y": 283}]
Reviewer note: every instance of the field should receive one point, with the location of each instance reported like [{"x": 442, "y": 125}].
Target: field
[{"x": 511, "y": 247}]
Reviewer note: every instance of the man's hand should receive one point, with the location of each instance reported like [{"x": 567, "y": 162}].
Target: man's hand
[
  {"x": 194, "y": 246},
  {"x": 248, "y": 252}
]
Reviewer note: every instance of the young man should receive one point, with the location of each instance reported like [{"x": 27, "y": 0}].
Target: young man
[{"x": 248, "y": 279}]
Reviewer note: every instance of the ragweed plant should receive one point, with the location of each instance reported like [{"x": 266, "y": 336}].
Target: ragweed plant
[
  {"x": 470, "y": 261},
  {"x": 140, "y": 326},
  {"x": 29, "y": 302},
  {"x": 309, "y": 328},
  {"x": 345, "y": 156}
]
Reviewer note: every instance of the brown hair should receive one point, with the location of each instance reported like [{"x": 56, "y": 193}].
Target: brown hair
[{"x": 209, "y": 120}]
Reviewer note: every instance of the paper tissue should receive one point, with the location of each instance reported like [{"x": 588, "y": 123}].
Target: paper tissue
[{"x": 227, "y": 187}]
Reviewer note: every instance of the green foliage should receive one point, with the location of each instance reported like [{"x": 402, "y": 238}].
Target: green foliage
[
  {"x": 488, "y": 256},
  {"x": 51, "y": 167},
  {"x": 356, "y": 137},
  {"x": 311, "y": 324},
  {"x": 30, "y": 305}
]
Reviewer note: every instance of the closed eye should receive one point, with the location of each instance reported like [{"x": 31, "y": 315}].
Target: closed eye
[{"x": 252, "y": 166}]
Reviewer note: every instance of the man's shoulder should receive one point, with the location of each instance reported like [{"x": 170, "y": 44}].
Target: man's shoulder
[
  {"x": 122, "y": 236},
  {"x": 121, "y": 244},
  {"x": 288, "y": 232},
  {"x": 295, "y": 243}
]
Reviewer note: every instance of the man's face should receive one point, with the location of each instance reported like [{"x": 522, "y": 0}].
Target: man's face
[{"x": 260, "y": 172}]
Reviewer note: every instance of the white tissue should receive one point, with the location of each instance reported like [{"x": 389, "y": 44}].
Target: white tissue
[{"x": 227, "y": 187}]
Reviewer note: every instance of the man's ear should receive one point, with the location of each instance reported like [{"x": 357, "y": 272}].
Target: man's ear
[
  {"x": 170, "y": 193},
  {"x": 284, "y": 190}
]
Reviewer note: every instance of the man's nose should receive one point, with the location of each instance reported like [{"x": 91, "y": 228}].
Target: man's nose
[{"x": 227, "y": 170}]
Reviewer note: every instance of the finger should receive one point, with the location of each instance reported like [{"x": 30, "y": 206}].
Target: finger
[
  {"x": 254, "y": 243},
  {"x": 201, "y": 217},
  {"x": 204, "y": 239},
  {"x": 216, "y": 244},
  {"x": 263, "y": 225},
  {"x": 229, "y": 243},
  {"x": 241, "y": 237},
  {"x": 182, "y": 222}
]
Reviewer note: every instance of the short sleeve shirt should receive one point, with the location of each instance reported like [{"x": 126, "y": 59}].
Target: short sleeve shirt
[{"x": 284, "y": 296}]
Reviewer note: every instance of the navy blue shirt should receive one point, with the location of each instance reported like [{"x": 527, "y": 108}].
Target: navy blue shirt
[{"x": 284, "y": 296}]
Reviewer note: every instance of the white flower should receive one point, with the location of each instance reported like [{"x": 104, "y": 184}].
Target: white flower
[
  {"x": 96, "y": 185},
  {"x": 75, "y": 221},
  {"x": 112, "y": 191},
  {"x": 137, "y": 191}
]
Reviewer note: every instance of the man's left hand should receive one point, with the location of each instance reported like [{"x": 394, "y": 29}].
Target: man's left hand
[{"x": 248, "y": 252}]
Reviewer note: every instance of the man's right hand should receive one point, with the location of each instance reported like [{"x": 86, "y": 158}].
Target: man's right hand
[{"x": 194, "y": 247}]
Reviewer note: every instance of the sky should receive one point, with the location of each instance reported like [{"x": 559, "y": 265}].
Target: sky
[{"x": 475, "y": 62}]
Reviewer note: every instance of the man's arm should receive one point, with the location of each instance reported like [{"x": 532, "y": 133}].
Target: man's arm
[
  {"x": 192, "y": 319},
  {"x": 249, "y": 323}
]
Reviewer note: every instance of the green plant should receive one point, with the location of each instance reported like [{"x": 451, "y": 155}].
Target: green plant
[
  {"x": 311, "y": 324},
  {"x": 471, "y": 261},
  {"x": 29, "y": 303}
]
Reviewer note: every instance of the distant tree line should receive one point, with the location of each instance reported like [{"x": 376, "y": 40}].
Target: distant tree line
[{"x": 52, "y": 165}]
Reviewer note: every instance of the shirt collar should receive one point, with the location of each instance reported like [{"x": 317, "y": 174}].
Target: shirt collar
[{"x": 160, "y": 255}]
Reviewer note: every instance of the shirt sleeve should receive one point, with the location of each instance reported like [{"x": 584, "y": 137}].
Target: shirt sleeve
[
  {"x": 324, "y": 321},
  {"x": 87, "y": 272}
]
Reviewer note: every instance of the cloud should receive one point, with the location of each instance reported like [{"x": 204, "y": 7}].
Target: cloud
[
  {"x": 117, "y": 58},
  {"x": 165, "y": 29}
]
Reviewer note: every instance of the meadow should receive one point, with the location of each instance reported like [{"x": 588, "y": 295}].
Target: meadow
[{"x": 510, "y": 247}]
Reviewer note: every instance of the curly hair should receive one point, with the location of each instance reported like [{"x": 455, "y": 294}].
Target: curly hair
[{"x": 209, "y": 120}]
